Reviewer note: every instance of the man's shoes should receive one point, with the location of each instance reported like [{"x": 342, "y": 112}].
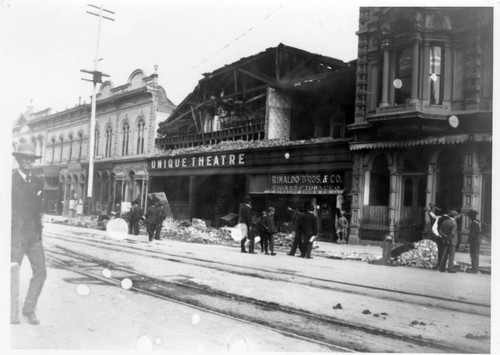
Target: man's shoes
[
  {"x": 301, "y": 256},
  {"x": 470, "y": 271},
  {"x": 452, "y": 271},
  {"x": 157, "y": 238},
  {"x": 273, "y": 254},
  {"x": 15, "y": 320},
  {"x": 290, "y": 254},
  {"x": 252, "y": 252},
  {"x": 244, "y": 251},
  {"x": 267, "y": 253},
  {"x": 32, "y": 318}
]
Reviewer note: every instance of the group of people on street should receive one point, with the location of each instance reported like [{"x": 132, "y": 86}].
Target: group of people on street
[
  {"x": 305, "y": 228},
  {"x": 444, "y": 228},
  {"x": 155, "y": 215}
]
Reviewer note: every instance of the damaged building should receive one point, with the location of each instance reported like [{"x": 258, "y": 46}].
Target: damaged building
[{"x": 271, "y": 126}]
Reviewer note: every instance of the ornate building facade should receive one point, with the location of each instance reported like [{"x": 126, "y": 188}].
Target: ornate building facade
[
  {"x": 423, "y": 120},
  {"x": 127, "y": 117}
]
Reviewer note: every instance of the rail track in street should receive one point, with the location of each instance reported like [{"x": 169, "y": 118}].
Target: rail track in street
[{"x": 337, "y": 334}]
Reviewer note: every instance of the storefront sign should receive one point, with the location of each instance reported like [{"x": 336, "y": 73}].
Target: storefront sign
[
  {"x": 202, "y": 161},
  {"x": 307, "y": 184}
]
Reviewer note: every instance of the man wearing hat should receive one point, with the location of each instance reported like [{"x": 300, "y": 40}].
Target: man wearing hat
[
  {"x": 474, "y": 241},
  {"x": 135, "y": 217},
  {"x": 245, "y": 217},
  {"x": 269, "y": 231},
  {"x": 26, "y": 229},
  {"x": 448, "y": 233}
]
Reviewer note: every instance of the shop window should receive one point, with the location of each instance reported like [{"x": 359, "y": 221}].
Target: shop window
[
  {"x": 435, "y": 77},
  {"x": 379, "y": 182},
  {"x": 404, "y": 59}
]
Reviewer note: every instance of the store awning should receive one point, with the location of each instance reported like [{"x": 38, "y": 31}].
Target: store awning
[{"x": 453, "y": 139}]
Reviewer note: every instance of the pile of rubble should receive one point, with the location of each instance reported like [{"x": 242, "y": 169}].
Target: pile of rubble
[
  {"x": 345, "y": 255},
  {"x": 194, "y": 232},
  {"x": 80, "y": 221},
  {"x": 422, "y": 255}
]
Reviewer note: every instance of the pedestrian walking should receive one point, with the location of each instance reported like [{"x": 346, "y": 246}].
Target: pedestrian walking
[
  {"x": 134, "y": 218},
  {"x": 342, "y": 228},
  {"x": 474, "y": 242},
  {"x": 152, "y": 220},
  {"x": 309, "y": 227},
  {"x": 26, "y": 230},
  {"x": 162, "y": 214},
  {"x": 297, "y": 239},
  {"x": 269, "y": 231},
  {"x": 245, "y": 217},
  {"x": 448, "y": 232}
]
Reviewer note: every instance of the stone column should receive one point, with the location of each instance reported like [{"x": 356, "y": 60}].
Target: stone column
[
  {"x": 278, "y": 114},
  {"x": 357, "y": 198},
  {"x": 414, "y": 72},
  {"x": 393, "y": 195},
  {"x": 386, "y": 45},
  {"x": 191, "y": 197}
]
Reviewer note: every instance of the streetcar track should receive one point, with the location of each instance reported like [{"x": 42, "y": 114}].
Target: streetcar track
[
  {"x": 161, "y": 290},
  {"x": 218, "y": 265}
]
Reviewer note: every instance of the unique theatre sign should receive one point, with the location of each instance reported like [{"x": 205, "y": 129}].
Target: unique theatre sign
[
  {"x": 199, "y": 161},
  {"x": 306, "y": 183}
]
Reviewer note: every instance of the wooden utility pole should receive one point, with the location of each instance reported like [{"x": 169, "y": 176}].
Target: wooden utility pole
[{"x": 96, "y": 78}]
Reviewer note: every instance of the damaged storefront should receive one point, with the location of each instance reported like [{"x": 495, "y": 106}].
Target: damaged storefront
[{"x": 210, "y": 186}]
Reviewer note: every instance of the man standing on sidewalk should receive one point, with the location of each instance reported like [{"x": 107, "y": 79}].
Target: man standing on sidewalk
[
  {"x": 474, "y": 242},
  {"x": 269, "y": 231},
  {"x": 448, "y": 231},
  {"x": 245, "y": 217},
  {"x": 152, "y": 220},
  {"x": 26, "y": 229},
  {"x": 309, "y": 229}
]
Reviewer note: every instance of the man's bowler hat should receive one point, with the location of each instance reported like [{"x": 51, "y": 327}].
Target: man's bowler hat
[{"x": 26, "y": 150}]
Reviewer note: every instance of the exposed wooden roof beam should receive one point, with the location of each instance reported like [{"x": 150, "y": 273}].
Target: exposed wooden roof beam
[{"x": 261, "y": 77}]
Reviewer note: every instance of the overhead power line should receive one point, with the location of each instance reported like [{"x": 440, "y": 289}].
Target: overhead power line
[{"x": 226, "y": 46}]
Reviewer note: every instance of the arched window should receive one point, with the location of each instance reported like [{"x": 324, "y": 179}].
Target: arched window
[
  {"x": 96, "y": 142},
  {"x": 379, "y": 182},
  {"x": 61, "y": 142},
  {"x": 70, "y": 136},
  {"x": 109, "y": 138},
  {"x": 53, "y": 141},
  {"x": 140, "y": 136},
  {"x": 126, "y": 134},
  {"x": 80, "y": 137}
]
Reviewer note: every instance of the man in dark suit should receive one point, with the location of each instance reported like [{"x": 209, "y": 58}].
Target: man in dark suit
[
  {"x": 245, "y": 217},
  {"x": 297, "y": 240},
  {"x": 135, "y": 217},
  {"x": 26, "y": 229},
  {"x": 448, "y": 232},
  {"x": 309, "y": 228},
  {"x": 152, "y": 219}
]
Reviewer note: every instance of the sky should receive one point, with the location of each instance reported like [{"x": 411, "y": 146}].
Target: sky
[{"x": 46, "y": 43}]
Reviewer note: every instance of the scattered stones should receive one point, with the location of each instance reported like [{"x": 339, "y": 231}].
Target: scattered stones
[
  {"x": 366, "y": 311},
  {"x": 415, "y": 322},
  {"x": 338, "y": 306}
]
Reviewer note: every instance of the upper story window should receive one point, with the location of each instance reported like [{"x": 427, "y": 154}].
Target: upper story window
[
  {"x": 53, "y": 141},
  {"x": 109, "y": 138},
  {"x": 403, "y": 83},
  {"x": 80, "y": 137},
  {"x": 435, "y": 74},
  {"x": 70, "y": 136},
  {"x": 96, "y": 142},
  {"x": 61, "y": 140},
  {"x": 140, "y": 136},
  {"x": 126, "y": 134}
]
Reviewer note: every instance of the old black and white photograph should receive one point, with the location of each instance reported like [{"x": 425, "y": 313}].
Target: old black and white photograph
[{"x": 248, "y": 176}]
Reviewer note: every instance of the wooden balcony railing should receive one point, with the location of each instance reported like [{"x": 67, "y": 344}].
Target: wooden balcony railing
[{"x": 251, "y": 129}]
